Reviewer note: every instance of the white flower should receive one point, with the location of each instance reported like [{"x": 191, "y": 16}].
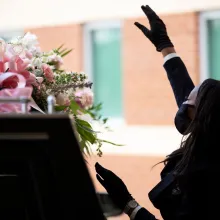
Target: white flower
[
  {"x": 29, "y": 40},
  {"x": 37, "y": 62},
  {"x": 55, "y": 58},
  {"x": 45, "y": 59},
  {"x": 36, "y": 51},
  {"x": 50, "y": 53}
]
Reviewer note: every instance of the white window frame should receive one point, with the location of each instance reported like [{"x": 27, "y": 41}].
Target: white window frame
[
  {"x": 203, "y": 46},
  {"x": 87, "y": 51}
]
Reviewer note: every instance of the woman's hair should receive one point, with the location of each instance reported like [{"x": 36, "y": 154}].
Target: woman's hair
[{"x": 204, "y": 130}]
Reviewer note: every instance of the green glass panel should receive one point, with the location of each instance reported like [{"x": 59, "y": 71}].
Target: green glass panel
[
  {"x": 106, "y": 47},
  {"x": 214, "y": 48}
]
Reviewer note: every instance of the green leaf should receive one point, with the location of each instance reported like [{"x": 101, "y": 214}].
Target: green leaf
[
  {"x": 94, "y": 112},
  {"x": 97, "y": 107},
  {"x": 60, "y": 47},
  {"x": 74, "y": 107},
  {"x": 67, "y": 52},
  {"x": 109, "y": 142},
  {"x": 86, "y": 135},
  {"x": 84, "y": 147},
  {"x": 85, "y": 125},
  {"x": 87, "y": 149},
  {"x": 60, "y": 108},
  {"x": 105, "y": 120},
  {"x": 63, "y": 50}
]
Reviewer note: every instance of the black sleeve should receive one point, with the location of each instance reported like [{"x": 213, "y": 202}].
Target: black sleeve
[
  {"x": 143, "y": 214},
  {"x": 179, "y": 78}
]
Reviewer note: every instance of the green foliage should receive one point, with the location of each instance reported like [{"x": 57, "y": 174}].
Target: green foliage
[
  {"x": 85, "y": 130},
  {"x": 64, "y": 81},
  {"x": 62, "y": 51},
  {"x": 60, "y": 108},
  {"x": 74, "y": 108},
  {"x": 94, "y": 111}
]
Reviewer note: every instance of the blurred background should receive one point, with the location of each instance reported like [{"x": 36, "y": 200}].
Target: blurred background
[{"x": 126, "y": 70}]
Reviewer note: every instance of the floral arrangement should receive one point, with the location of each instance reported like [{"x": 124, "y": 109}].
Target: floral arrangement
[{"x": 26, "y": 70}]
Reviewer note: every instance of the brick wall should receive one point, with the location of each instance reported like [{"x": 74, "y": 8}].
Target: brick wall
[
  {"x": 148, "y": 98},
  {"x": 70, "y": 35}
]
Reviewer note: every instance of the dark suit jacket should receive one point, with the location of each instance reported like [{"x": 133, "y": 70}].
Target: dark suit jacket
[
  {"x": 196, "y": 201},
  {"x": 179, "y": 78}
]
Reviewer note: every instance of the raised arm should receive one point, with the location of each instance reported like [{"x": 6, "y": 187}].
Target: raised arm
[{"x": 177, "y": 73}]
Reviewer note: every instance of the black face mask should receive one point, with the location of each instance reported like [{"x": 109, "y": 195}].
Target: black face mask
[{"x": 182, "y": 120}]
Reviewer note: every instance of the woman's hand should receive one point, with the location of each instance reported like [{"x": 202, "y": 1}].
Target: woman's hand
[
  {"x": 158, "y": 33},
  {"x": 115, "y": 187}
]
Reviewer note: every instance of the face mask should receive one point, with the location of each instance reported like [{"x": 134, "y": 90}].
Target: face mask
[{"x": 182, "y": 120}]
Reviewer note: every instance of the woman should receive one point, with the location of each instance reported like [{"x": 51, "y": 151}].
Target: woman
[{"x": 189, "y": 188}]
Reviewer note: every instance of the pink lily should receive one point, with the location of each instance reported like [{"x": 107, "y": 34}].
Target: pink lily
[{"x": 15, "y": 93}]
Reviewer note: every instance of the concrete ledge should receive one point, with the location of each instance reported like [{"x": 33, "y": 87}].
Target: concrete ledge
[{"x": 142, "y": 140}]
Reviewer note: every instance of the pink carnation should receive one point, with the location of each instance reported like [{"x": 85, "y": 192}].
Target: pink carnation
[
  {"x": 48, "y": 73},
  {"x": 84, "y": 98}
]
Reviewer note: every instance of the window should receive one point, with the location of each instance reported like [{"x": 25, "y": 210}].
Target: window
[
  {"x": 8, "y": 35},
  {"x": 210, "y": 45},
  {"x": 102, "y": 51}
]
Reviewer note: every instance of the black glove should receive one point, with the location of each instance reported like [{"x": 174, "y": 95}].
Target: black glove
[
  {"x": 115, "y": 187},
  {"x": 158, "y": 33}
]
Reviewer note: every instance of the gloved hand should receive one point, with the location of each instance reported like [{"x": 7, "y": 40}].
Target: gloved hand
[
  {"x": 115, "y": 187},
  {"x": 158, "y": 33}
]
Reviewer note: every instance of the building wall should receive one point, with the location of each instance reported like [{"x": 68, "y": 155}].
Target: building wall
[{"x": 147, "y": 95}]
